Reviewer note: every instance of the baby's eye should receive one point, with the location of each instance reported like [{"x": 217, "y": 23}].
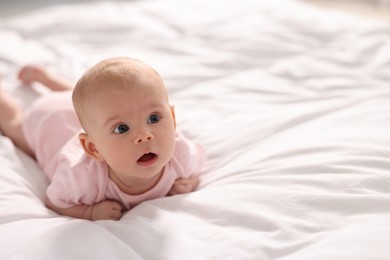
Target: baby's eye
[
  {"x": 121, "y": 129},
  {"x": 153, "y": 119}
]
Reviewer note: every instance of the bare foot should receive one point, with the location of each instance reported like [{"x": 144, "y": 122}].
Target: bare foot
[{"x": 32, "y": 73}]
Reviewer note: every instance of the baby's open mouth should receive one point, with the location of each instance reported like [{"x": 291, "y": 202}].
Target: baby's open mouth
[{"x": 147, "y": 159}]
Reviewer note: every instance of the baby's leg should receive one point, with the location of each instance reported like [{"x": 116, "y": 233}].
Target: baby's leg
[
  {"x": 30, "y": 74},
  {"x": 11, "y": 122}
]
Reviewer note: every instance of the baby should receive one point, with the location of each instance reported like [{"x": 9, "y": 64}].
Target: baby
[{"x": 122, "y": 148}]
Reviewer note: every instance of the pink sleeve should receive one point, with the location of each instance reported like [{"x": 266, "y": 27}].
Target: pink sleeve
[
  {"x": 191, "y": 155},
  {"x": 71, "y": 187}
]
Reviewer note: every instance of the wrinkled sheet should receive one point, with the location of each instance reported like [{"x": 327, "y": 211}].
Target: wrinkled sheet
[{"x": 292, "y": 105}]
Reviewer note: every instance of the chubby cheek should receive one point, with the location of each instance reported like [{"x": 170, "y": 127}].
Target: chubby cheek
[
  {"x": 118, "y": 156},
  {"x": 169, "y": 146}
]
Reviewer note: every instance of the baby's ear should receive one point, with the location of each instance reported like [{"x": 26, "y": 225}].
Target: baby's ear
[
  {"x": 89, "y": 147},
  {"x": 173, "y": 115}
]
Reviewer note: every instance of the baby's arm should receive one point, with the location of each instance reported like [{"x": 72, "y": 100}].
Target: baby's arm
[
  {"x": 184, "y": 185},
  {"x": 106, "y": 209}
]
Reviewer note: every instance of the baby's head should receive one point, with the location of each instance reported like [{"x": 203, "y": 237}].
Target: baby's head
[
  {"x": 109, "y": 75},
  {"x": 123, "y": 107}
]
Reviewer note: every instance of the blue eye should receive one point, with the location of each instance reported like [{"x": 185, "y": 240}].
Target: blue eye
[
  {"x": 153, "y": 119},
  {"x": 121, "y": 129}
]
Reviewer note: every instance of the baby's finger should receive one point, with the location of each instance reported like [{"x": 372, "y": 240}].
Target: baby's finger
[
  {"x": 115, "y": 214},
  {"x": 116, "y": 206},
  {"x": 172, "y": 192},
  {"x": 194, "y": 181}
]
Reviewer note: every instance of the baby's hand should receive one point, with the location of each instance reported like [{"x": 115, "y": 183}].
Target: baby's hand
[
  {"x": 184, "y": 185},
  {"x": 106, "y": 209}
]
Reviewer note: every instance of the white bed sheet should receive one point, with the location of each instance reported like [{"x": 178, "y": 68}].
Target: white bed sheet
[{"x": 291, "y": 102}]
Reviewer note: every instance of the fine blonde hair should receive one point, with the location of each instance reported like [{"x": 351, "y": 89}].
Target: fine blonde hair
[{"x": 114, "y": 73}]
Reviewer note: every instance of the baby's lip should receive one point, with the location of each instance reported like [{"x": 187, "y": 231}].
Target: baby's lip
[{"x": 147, "y": 159}]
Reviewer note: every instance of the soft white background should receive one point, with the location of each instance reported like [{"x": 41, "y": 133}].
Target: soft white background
[{"x": 292, "y": 104}]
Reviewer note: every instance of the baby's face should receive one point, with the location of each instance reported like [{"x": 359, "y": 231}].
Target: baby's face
[{"x": 134, "y": 130}]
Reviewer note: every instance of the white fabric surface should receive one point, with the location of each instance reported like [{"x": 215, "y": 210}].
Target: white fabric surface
[{"x": 292, "y": 104}]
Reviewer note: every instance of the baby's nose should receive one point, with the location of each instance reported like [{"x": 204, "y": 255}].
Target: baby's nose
[{"x": 146, "y": 136}]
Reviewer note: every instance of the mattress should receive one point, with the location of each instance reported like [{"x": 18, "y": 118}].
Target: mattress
[{"x": 291, "y": 103}]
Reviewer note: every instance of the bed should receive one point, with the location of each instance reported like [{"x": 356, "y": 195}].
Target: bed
[{"x": 290, "y": 101}]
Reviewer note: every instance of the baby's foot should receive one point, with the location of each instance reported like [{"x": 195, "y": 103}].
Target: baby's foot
[{"x": 32, "y": 73}]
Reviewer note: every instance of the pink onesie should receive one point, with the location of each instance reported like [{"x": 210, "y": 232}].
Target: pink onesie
[{"x": 51, "y": 129}]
